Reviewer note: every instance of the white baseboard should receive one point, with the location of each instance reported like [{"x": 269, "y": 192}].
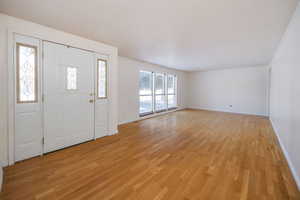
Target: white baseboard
[
  {"x": 286, "y": 154},
  {"x": 113, "y": 132},
  {"x": 224, "y": 110},
  {"x": 127, "y": 121}
]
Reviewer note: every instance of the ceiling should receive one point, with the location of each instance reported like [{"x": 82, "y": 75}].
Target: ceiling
[{"x": 183, "y": 34}]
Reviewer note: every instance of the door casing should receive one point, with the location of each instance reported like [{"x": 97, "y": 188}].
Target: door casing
[{"x": 11, "y": 92}]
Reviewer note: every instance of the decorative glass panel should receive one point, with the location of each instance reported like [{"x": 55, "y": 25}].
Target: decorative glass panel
[
  {"x": 102, "y": 79},
  {"x": 145, "y": 104},
  {"x": 26, "y": 73},
  {"x": 71, "y": 78},
  {"x": 159, "y": 84},
  {"x": 145, "y": 83}
]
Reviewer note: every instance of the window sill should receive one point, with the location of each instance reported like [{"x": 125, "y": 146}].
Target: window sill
[
  {"x": 160, "y": 111},
  {"x": 157, "y": 112},
  {"x": 146, "y": 114},
  {"x": 173, "y": 108}
]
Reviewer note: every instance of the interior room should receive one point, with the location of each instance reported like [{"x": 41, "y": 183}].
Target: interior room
[{"x": 150, "y": 100}]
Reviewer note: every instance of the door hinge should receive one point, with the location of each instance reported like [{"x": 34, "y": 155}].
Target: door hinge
[{"x": 43, "y": 140}]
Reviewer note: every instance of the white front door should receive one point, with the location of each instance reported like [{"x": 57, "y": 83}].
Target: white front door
[{"x": 68, "y": 96}]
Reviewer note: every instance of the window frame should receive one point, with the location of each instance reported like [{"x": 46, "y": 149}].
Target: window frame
[
  {"x": 18, "y": 88},
  {"x": 175, "y": 92},
  {"x": 147, "y": 95},
  {"x": 163, "y": 94},
  {"x": 106, "y": 79}
]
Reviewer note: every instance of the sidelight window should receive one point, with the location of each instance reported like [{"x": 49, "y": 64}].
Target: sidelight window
[
  {"x": 26, "y": 68},
  {"x": 102, "y": 79}
]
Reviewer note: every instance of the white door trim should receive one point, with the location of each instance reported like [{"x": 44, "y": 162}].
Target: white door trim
[
  {"x": 102, "y": 50},
  {"x": 11, "y": 98},
  {"x": 12, "y": 93}
]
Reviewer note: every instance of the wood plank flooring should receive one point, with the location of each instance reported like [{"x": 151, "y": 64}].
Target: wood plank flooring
[{"x": 185, "y": 155}]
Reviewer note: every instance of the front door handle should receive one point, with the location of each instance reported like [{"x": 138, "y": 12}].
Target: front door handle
[{"x": 91, "y": 101}]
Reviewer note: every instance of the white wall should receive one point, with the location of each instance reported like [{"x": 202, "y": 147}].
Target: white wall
[
  {"x": 246, "y": 89},
  {"x": 285, "y": 94},
  {"x": 129, "y": 87},
  {"x": 10, "y": 24}
]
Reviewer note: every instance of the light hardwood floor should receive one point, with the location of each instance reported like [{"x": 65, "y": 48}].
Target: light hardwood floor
[{"x": 184, "y": 155}]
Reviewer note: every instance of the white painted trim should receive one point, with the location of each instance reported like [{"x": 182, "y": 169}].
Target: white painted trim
[
  {"x": 127, "y": 121},
  {"x": 11, "y": 98},
  {"x": 223, "y": 110},
  {"x": 45, "y": 33},
  {"x": 113, "y": 132},
  {"x": 286, "y": 154}
]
